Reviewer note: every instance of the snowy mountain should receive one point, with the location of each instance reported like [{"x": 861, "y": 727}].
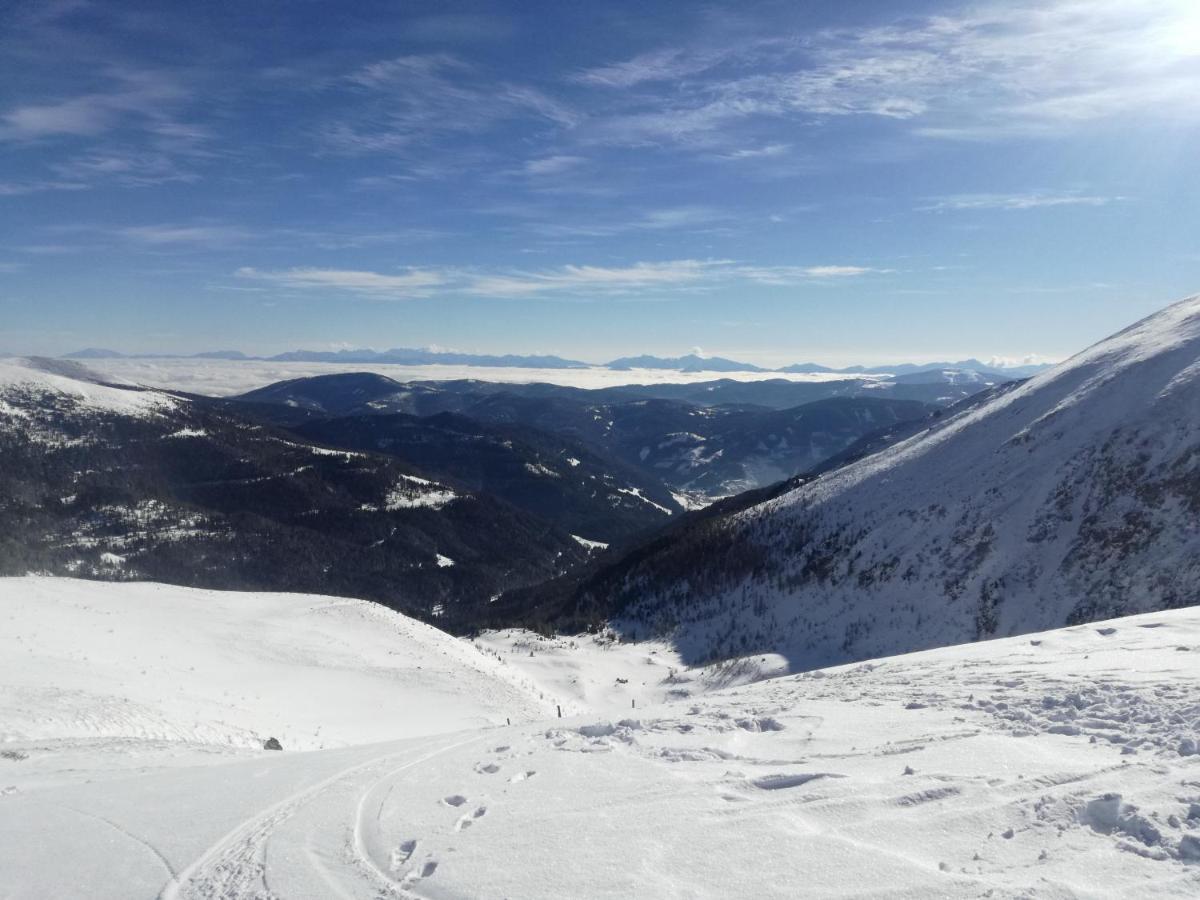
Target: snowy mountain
[
  {"x": 407, "y": 356},
  {"x": 653, "y": 448},
  {"x": 121, "y": 483},
  {"x": 689, "y": 363},
  {"x": 133, "y": 720},
  {"x": 1071, "y": 497},
  {"x": 973, "y": 365}
]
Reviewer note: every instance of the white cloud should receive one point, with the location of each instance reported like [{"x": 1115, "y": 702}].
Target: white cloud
[
  {"x": 21, "y": 188},
  {"x": 582, "y": 279},
  {"x": 981, "y": 72},
  {"x": 1032, "y": 200},
  {"x": 787, "y": 275},
  {"x": 411, "y": 283},
  {"x": 639, "y": 278},
  {"x": 666, "y": 64},
  {"x": 137, "y": 95},
  {"x": 766, "y": 150},
  {"x": 394, "y": 104},
  {"x": 168, "y": 235},
  {"x": 552, "y": 165}
]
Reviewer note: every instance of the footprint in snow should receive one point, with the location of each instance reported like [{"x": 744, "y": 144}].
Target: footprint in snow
[
  {"x": 468, "y": 820},
  {"x": 454, "y": 800},
  {"x": 487, "y": 768},
  {"x": 426, "y": 869},
  {"x": 521, "y": 776},
  {"x": 402, "y": 854},
  {"x": 784, "y": 781}
]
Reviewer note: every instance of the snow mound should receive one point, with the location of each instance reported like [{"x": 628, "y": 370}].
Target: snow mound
[{"x": 82, "y": 660}]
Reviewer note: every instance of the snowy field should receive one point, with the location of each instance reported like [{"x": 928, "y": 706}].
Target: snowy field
[
  {"x": 222, "y": 378},
  {"x": 1054, "y": 765}
]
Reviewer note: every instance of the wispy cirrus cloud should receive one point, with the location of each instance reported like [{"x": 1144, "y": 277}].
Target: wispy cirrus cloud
[
  {"x": 1020, "y": 201},
  {"x": 407, "y": 284},
  {"x": 36, "y": 186},
  {"x": 975, "y": 73},
  {"x": 169, "y": 235},
  {"x": 665, "y": 64},
  {"x": 640, "y": 276},
  {"x": 135, "y": 96},
  {"x": 407, "y": 101},
  {"x": 758, "y": 153},
  {"x": 552, "y": 165},
  {"x": 684, "y": 219},
  {"x": 790, "y": 275},
  {"x": 638, "y": 279}
]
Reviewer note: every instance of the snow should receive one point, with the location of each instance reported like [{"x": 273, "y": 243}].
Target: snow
[
  {"x": 589, "y": 545},
  {"x": 227, "y": 377},
  {"x": 1051, "y": 765},
  {"x": 22, "y": 380},
  {"x": 691, "y": 501},
  {"x": 412, "y": 492},
  {"x": 444, "y": 562},
  {"x": 637, "y": 492},
  {"x": 101, "y": 662}
]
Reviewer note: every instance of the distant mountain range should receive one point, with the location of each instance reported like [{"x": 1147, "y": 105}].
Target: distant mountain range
[
  {"x": 973, "y": 365},
  {"x": 692, "y": 362},
  {"x": 689, "y": 363},
  {"x": 400, "y": 356}
]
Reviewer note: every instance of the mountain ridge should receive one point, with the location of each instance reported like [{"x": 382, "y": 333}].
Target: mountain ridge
[
  {"x": 1068, "y": 498},
  {"x": 690, "y": 363}
]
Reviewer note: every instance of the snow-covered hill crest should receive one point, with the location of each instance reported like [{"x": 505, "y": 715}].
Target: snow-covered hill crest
[
  {"x": 1073, "y": 497},
  {"x": 69, "y": 388},
  {"x": 108, "y": 666}
]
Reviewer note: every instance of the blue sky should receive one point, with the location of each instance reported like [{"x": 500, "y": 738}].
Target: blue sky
[{"x": 830, "y": 181}]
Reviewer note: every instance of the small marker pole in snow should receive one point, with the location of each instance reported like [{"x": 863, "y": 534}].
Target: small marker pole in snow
[
  {"x": 560, "y": 712},
  {"x": 508, "y": 721},
  {"x": 633, "y": 703}
]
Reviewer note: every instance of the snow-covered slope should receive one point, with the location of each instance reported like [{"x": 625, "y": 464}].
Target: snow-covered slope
[
  {"x": 113, "y": 664},
  {"x": 1056, "y": 765},
  {"x": 69, "y": 388},
  {"x": 1072, "y": 497}
]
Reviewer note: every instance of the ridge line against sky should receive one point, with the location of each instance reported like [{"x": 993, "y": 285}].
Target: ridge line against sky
[{"x": 773, "y": 183}]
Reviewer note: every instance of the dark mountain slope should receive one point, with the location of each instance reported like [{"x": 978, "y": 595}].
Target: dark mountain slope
[
  {"x": 560, "y": 480},
  {"x": 111, "y": 482}
]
